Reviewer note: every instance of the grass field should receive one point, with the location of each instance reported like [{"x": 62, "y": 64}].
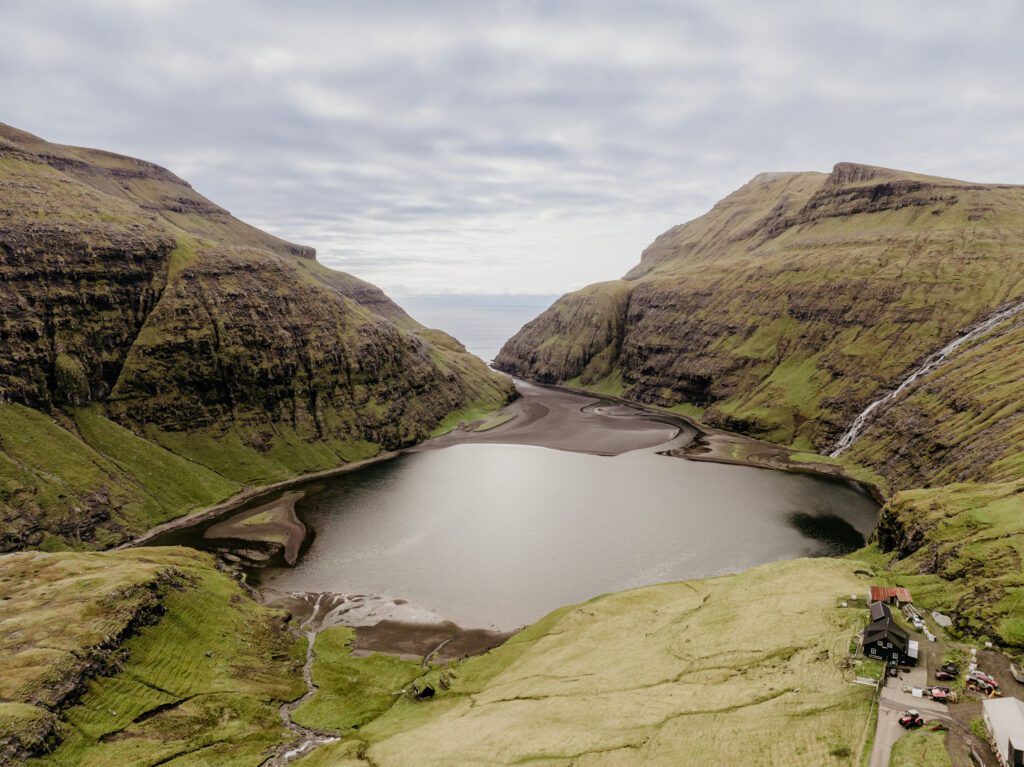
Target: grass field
[
  {"x": 922, "y": 748},
  {"x": 144, "y": 656},
  {"x": 352, "y": 691},
  {"x": 743, "y": 669}
]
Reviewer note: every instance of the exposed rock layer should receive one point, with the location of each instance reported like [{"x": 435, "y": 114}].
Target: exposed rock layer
[
  {"x": 794, "y": 303},
  {"x": 122, "y": 288}
]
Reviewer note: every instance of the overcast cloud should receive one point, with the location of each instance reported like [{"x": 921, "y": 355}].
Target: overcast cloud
[{"x": 512, "y": 146}]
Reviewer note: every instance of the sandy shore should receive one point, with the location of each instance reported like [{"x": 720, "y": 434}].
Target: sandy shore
[
  {"x": 273, "y": 523},
  {"x": 248, "y": 494},
  {"x": 694, "y": 441},
  {"x": 573, "y": 421},
  {"x": 384, "y": 624}
]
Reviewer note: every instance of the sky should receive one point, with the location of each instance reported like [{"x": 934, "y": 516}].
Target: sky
[{"x": 512, "y": 147}]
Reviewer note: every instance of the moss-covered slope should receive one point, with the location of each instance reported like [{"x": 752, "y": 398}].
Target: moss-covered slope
[
  {"x": 138, "y": 658},
  {"x": 742, "y": 669},
  {"x": 143, "y": 325},
  {"x": 960, "y": 548},
  {"x": 794, "y": 303}
]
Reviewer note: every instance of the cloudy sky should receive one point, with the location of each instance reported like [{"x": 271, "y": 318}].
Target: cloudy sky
[{"x": 512, "y": 146}]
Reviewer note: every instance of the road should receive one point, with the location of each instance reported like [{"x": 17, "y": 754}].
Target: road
[{"x": 892, "y": 702}]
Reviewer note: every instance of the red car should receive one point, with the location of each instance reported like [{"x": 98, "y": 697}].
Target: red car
[
  {"x": 978, "y": 680},
  {"x": 911, "y": 719}
]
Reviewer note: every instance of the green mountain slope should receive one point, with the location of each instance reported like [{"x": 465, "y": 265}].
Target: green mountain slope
[
  {"x": 145, "y": 327},
  {"x": 681, "y": 673},
  {"x": 139, "y": 658},
  {"x": 793, "y": 304}
]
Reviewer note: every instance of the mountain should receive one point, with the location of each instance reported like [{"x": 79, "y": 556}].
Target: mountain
[
  {"x": 798, "y": 300},
  {"x": 161, "y": 354}
]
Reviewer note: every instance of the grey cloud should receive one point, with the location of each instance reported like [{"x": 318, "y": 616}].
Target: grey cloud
[{"x": 468, "y": 144}]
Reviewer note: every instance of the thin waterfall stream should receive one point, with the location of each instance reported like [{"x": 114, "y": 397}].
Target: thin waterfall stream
[{"x": 930, "y": 365}]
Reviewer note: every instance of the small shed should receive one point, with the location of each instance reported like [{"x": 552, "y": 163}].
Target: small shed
[
  {"x": 1004, "y": 719},
  {"x": 893, "y": 595}
]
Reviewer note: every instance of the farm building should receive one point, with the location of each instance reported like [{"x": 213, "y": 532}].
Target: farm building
[
  {"x": 893, "y": 595},
  {"x": 887, "y": 641},
  {"x": 1004, "y": 719}
]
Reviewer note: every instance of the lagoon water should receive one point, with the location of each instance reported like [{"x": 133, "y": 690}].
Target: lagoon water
[{"x": 492, "y": 535}]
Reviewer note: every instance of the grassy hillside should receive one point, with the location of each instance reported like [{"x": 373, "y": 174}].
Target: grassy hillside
[
  {"x": 794, "y": 303},
  {"x": 741, "y": 669},
  {"x": 138, "y": 658},
  {"x": 960, "y": 549},
  {"x": 155, "y": 337},
  {"x": 963, "y": 422}
]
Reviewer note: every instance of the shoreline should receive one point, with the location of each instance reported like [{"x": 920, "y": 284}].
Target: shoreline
[
  {"x": 248, "y": 494},
  {"x": 713, "y": 445},
  {"x": 709, "y": 444},
  {"x": 396, "y": 628}
]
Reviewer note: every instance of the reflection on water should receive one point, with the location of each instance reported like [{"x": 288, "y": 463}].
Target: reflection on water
[
  {"x": 498, "y": 535},
  {"x": 838, "y": 536}
]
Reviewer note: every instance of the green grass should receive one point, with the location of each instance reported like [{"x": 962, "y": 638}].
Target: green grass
[
  {"x": 201, "y": 675},
  {"x": 50, "y": 471},
  {"x": 177, "y": 485},
  {"x": 850, "y": 468},
  {"x": 959, "y": 549},
  {"x": 352, "y": 691},
  {"x": 660, "y": 675},
  {"x": 687, "y": 409},
  {"x": 611, "y": 385},
  {"x": 921, "y": 748},
  {"x": 485, "y": 411}
]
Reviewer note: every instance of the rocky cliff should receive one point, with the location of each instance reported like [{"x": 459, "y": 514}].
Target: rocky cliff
[
  {"x": 795, "y": 302},
  {"x": 159, "y": 353}
]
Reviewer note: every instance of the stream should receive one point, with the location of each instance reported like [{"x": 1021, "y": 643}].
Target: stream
[
  {"x": 930, "y": 365},
  {"x": 306, "y": 739}
]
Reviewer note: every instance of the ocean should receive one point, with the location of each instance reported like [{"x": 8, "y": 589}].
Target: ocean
[{"x": 481, "y": 322}]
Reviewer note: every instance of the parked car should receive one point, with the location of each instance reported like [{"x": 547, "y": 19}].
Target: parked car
[
  {"x": 982, "y": 682},
  {"x": 947, "y": 672},
  {"x": 911, "y": 719},
  {"x": 940, "y": 693}
]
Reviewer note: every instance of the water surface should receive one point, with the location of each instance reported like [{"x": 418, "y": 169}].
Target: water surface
[{"x": 498, "y": 535}]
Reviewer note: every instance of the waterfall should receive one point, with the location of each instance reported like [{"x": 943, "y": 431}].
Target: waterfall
[{"x": 930, "y": 364}]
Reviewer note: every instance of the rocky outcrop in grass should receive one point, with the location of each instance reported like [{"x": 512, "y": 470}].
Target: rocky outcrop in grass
[{"x": 137, "y": 657}]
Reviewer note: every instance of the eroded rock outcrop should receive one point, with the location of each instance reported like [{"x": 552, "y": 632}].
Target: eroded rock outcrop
[
  {"x": 123, "y": 289},
  {"x": 795, "y": 301}
]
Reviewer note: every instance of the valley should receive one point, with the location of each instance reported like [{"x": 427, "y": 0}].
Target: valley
[{"x": 253, "y": 513}]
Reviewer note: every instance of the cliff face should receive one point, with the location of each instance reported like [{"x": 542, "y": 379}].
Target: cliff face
[
  {"x": 794, "y": 303},
  {"x": 127, "y": 296}
]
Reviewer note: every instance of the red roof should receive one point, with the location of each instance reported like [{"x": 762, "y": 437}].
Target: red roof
[{"x": 886, "y": 593}]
